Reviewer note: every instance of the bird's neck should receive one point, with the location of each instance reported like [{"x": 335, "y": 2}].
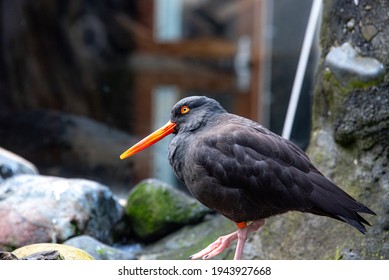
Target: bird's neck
[{"x": 178, "y": 149}]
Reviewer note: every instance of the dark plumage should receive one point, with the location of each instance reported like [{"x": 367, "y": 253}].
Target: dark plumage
[
  {"x": 242, "y": 170},
  {"x": 247, "y": 173}
]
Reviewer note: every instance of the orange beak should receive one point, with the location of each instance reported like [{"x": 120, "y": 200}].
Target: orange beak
[{"x": 150, "y": 140}]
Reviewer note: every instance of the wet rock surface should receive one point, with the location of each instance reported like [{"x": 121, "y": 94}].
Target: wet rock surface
[{"x": 37, "y": 209}]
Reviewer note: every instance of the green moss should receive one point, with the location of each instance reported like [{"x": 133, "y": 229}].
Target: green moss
[
  {"x": 358, "y": 84},
  {"x": 104, "y": 252},
  {"x": 155, "y": 208},
  {"x": 101, "y": 251}
]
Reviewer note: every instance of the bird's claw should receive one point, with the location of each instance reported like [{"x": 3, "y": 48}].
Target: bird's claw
[{"x": 216, "y": 247}]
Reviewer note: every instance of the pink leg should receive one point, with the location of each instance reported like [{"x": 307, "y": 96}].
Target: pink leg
[
  {"x": 243, "y": 234},
  {"x": 223, "y": 242},
  {"x": 216, "y": 247}
]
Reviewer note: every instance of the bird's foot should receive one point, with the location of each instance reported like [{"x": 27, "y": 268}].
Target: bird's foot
[
  {"x": 224, "y": 242},
  {"x": 216, "y": 247}
]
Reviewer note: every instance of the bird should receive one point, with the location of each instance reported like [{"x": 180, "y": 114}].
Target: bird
[{"x": 245, "y": 172}]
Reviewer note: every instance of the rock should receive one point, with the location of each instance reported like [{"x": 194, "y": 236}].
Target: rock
[
  {"x": 156, "y": 209},
  {"x": 191, "y": 239},
  {"x": 53, "y": 255},
  {"x": 35, "y": 209},
  {"x": 7, "y": 256},
  {"x": 98, "y": 250},
  {"x": 70, "y": 146},
  {"x": 42, "y": 249},
  {"x": 368, "y": 32},
  {"x": 363, "y": 119},
  {"x": 11, "y": 165},
  {"x": 350, "y": 24},
  {"x": 351, "y": 68},
  {"x": 348, "y": 254}
]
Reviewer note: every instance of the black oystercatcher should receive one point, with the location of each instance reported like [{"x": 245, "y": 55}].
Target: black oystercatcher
[{"x": 245, "y": 172}]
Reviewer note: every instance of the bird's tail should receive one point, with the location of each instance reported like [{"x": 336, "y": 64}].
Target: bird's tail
[
  {"x": 348, "y": 216},
  {"x": 357, "y": 220},
  {"x": 329, "y": 200}
]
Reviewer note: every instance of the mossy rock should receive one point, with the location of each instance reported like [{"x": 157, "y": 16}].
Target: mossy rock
[
  {"x": 66, "y": 252},
  {"x": 156, "y": 209}
]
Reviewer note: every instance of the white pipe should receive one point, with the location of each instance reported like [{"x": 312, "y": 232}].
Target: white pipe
[
  {"x": 263, "y": 105},
  {"x": 301, "y": 67}
]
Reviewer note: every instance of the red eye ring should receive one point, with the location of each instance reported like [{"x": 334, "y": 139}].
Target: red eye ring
[{"x": 184, "y": 110}]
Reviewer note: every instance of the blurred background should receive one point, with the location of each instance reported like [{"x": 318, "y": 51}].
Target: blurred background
[{"x": 81, "y": 81}]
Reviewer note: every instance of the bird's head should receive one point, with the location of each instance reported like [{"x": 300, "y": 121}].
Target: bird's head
[
  {"x": 188, "y": 114},
  {"x": 194, "y": 112}
]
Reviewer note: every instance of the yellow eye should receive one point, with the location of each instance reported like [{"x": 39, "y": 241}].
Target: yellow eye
[{"x": 184, "y": 110}]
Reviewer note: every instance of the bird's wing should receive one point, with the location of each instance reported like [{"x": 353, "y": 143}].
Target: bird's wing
[
  {"x": 270, "y": 171},
  {"x": 258, "y": 163}
]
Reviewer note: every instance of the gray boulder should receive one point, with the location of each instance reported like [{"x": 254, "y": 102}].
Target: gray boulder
[
  {"x": 97, "y": 249},
  {"x": 12, "y": 164},
  {"x": 155, "y": 209},
  {"x": 35, "y": 209}
]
